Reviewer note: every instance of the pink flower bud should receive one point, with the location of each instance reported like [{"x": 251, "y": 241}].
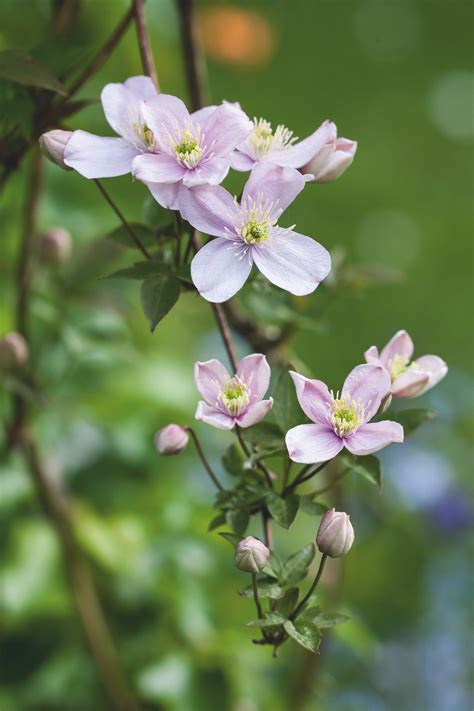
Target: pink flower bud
[
  {"x": 53, "y": 144},
  {"x": 251, "y": 555},
  {"x": 332, "y": 160},
  {"x": 335, "y": 534},
  {"x": 171, "y": 439},
  {"x": 55, "y": 246},
  {"x": 13, "y": 351}
]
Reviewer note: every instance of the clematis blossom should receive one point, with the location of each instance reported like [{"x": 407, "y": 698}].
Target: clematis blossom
[
  {"x": 409, "y": 379},
  {"x": 342, "y": 421},
  {"x": 106, "y": 157},
  {"x": 187, "y": 149},
  {"x": 249, "y": 233},
  {"x": 321, "y": 154},
  {"x": 237, "y": 400}
]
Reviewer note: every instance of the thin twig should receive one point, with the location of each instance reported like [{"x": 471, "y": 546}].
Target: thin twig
[
  {"x": 305, "y": 474},
  {"x": 318, "y": 492},
  {"x": 203, "y": 458},
  {"x": 144, "y": 43},
  {"x": 193, "y": 58},
  {"x": 224, "y": 330},
  {"x": 313, "y": 587},
  {"x": 256, "y": 598}
]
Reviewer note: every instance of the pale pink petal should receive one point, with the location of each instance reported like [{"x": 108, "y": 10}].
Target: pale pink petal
[
  {"x": 141, "y": 87},
  {"x": 320, "y": 161},
  {"x": 255, "y": 372},
  {"x": 337, "y": 163},
  {"x": 201, "y": 115},
  {"x": 166, "y": 194},
  {"x": 254, "y": 413},
  {"x": 225, "y": 128},
  {"x": 213, "y": 416},
  {"x": 301, "y": 153},
  {"x": 308, "y": 444},
  {"x": 210, "y": 209},
  {"x": 368, "y": 385},
  {"x": 122, "y": 110},
  {"x": 157, "y": 168},
  {"x": 410, "y": 383},
  {"x": 372, "y": 356},
  {"x": 400, "y": 344},
  {"x": 210, "y": 377},
  {"x": 220, "y": 269},
  {"x": 241, "y": 161},
  {"x": 98, "y": 157},
  {"x": 435, "y": 366},
  {"x": 292, "y": 261},
  {"x": 313, "y": 396},
  {"x": 276, "y": 186},
  {"x": 371, "y": 437},
  {"x": 167, "y": 117},
  {"x": 213, "y": 172}
]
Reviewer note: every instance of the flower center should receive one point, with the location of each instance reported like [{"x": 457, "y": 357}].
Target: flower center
[
  {"x": 187, "y": 150},
  {"x": 256, "y": 219},
  {"x": 346, "y": 415},
  {"x": 255, "y": 232},
  {"x": 398, "y": 365},
  {"x": 144, "y": 135},
  {"x": 264, "y": 139},
  {"x": 235, "y": 396}
]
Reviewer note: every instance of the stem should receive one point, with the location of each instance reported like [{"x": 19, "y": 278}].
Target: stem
[
  {"x": 318, "y": 492},
  {"x": 144, "y": 43},
  {"x": 286, "y": 474},
  {"x": 224, "y": 329},
  {"x": 204, "y": 459},
  {"x": 267, "y": 528},
  {"x": 256, "y": 598},
  {"x": 313, "y": 587},
  {"x": 306, "y": 473},
  {"x": 193, "y": 60},
  {"x": 123, "y": 220}
]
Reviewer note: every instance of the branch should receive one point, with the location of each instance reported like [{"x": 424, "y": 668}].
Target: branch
[
  {"x": 144, "y": 43},
  {"x": 193, "y": 59}
]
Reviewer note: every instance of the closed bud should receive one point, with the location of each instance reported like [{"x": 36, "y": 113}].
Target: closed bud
[
  {"x": 251, "y": 555},
  {"x": 335, "y": 534},
  {"x": 171, "y": 439},
  {"x": 13, "y": 351},
  {"x": 53, "y": 144},
  {"x": 55, "y": 246}
]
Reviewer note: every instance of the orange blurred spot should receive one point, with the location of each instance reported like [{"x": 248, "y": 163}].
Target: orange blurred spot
[{"x": 236, "y": 36}]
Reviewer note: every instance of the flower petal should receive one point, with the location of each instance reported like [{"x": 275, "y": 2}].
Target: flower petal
[
  {"x": 210, "y": 209},
  {"x": 372, "y": 356},
  {"x": 241, "y": 161},
  {"x": 308, "y": 444},
  {"x": 399, "y": 344},
  {"x": 167, "y": 117},
  {"x": 274, "y": 185},
  {"x": 254, "y": 413},
  {"x": 313, "y": 396},
  {"x": 220, "y": 269},
  {"x": 157, "y": 168},
  {"x": 166, "y": 194},
  {"x": 210, "y": 377},
  {"x": 98, "y": 157},
  {"x": 336, "y": 163},
  {"x": 371, "y": 437},
  {"x": 213, "y": 172},
  {"x": 368, "y": 384},
  {"x": 410, "y": 383},
  {"x": 255, "y": 372},
  {"x": 301, "y": 153},
  {"x": 213, "y": 416},
  {"x": 292, "y": 261},
  {"x": 121, "y": 104},
  {"x": 435, "y": 366},
  {"x": 225, "y": 128},
  {"x": 202, "y": 115}
]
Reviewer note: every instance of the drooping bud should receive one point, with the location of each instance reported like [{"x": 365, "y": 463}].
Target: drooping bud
[
  {"x": 171, "y": 440},
  {"x": 55, "y": 246},
  {"x": 53, "y": 144},
  {"x": 335, "y": 534},
  {"x": 13, "y": 351},
  {"x": 251, "y": 555}
]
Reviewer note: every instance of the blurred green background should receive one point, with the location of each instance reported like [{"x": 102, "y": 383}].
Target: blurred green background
[{"x": 398, "y": 78}]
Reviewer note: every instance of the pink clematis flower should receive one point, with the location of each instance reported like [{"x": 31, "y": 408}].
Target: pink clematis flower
[
  {"x": 106, "y": 157},
  {"x": 322, "y": 154},
  {"x": 248, "y": 233},
  {"x": 342, "y": 421},
  {"x": 188, "y": 149},
  {"x": 408, "y": 379},
  {"x": 233, "y": 401}
]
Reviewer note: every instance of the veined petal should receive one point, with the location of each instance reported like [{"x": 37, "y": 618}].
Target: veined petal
[
  {"x": 220, "y": 269},
  {"x": 166, "y": 116},
  {"x": 213, "y": 172},
  {"x": 255, "y": 372},
  {"x": 213, "y": 416},
  {"x": 225, "y": 128},
  {"x": 400, "y": 344},
  {"x": 308, "y": 444},
  {"x": 210, "y": 209},
  {"x": 201, "y": 115},
  {"x": 434, "y": 366},
  {"x": 410, "y": 383},
  {"x": 166, "y": 194},
  {"x": 292, "y": 261},
  {"x": 99, "y": 157},
  {"x": 254, "y": 413},
  {"x": 273, "y": 185},
  {"x": 301, "y": 153},
  {"x": 241, "y": 161},
  {"x": 368, "y": 385},
  {"x": 313, "y": 396},
  {"x": 371, "y": 437},
  {"x": 121, "y": 104},
  {"x": 372, "y": 356},
  {"x": 157, "y": 168},
  {"x": 210, "y": 377}
]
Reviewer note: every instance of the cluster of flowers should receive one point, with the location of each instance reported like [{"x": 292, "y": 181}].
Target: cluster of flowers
[{"x": 183, "y": 158}]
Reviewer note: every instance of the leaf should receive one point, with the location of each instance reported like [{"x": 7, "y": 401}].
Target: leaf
[
  {"x": 267, "y": 588},
  {"x": 217, "y": 521},
  {"x": 286, "y": 604},
  {"x": 231, "y": 537},
  {"x": 140, "y": 270},
  {"x": 273, "y": 566},
  {"x": 295, "y": 568},
  {"x": 368, "y": 467},
  {"x": 313, "y": 508},
  {"x": 414, "y": 418},
  {"x": 306, "y": 634},
  {"x": 325, "y": 620},
  {"x": 155, "y": 215},
  {"x": 238, "y": 520},
  {"x": 121, "y": 236},
  {"x": 233, "y": 460},
  {"x": 286, "y": 409},
  {"x": 283, "y": 511},
  {"x": 309, "y": 614},
  {"x": 159, "y": 293},
  {"x": 264, "y": 433},
  {"x": 19, "y": 67},
  {"x": 271, "y": 619}
]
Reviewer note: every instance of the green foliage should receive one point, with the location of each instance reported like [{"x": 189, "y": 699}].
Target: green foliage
[
  {"x": 295, "y": 568},
  {"x": 283, "y": 510},
  {"x": 233, "y": 460},
  {"x": 23, "y": 69},
  {"x": 286, "y": 409},
  {"x": 412, "y": 419},
  {"x": 368, "y": 467},
  {"x": 306, "y": 634},
  {"x": 159, "y": 293}
]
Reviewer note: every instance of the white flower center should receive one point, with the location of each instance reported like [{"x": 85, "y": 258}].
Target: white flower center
[
  {"x": 188, "y": 148},
  {"x": 264, "y": 140},
  {"x": 346, "y": 414},
  {"x": 235, "y": 396}
]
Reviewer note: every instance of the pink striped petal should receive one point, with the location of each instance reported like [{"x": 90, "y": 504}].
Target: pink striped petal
[
  {"x": 213, "y": 416},
  {"x": 98, "y": 157},
  {"x": 399, "y": 344},
  {"x": 368, "y": 384},
  {"x": 255, "y": 372},
  {"x": 313, "y": 397},
  {"x": 254, "y": 413},
  {"x": 220, "y": 269},
  {"x": 308, "y": 444},
  {"x": 210, "y": 377},
  {"x": 371, "y": 437}
]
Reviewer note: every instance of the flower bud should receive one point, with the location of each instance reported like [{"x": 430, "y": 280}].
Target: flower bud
[
  {"x": 171, "y": 439},
  {"x": 332, "y": 160},
  {"x": 13, "y": 351},
  {"x": 335, "y": 534},
  {"x": 251, "y": 555},
  {"x": 55, "y": 246},
  {"x": 53, "y": 144}
]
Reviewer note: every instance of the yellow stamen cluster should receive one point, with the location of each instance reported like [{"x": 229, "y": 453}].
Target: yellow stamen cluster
[
  {"x": 187, "y": 150},
  {"x": 256, "y": 223},
  {"x": 235, "y": 396},
  {"x": 144, "y": 134},
  {"x": 346, "y": 415},
  {"x": 264, "y": 139},
  {"x": 398, "y": 365}
]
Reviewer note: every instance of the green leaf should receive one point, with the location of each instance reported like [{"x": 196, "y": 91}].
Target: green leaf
[
  {"x": 306, "y": 634},
  {"x": 313, "y": 508},
  {"x": 231, "y": 537},
  {"x": 265, "y": 433},
  {"x": 368, "y": 467},
  {"x": 155, "y": 215},
  {"x": 233, "y": 460},
  {"x": 267, "y": 588},
  {"x": 412, "y": 419},
  {"x": 273, "y": 566},
  {"x": 19, "y": 67},
  {"x": 286, "y": 409},
  {"x": 286, "y": 604},
  {"x": 295, "y": 568},
  {"x": 325, "y": 620},
  {"x": 238, "y": 520},
  {"x": 309, "y": 614},
  {"x": 140, "y": 270},
  {"x": 217, "y": 521},
  {"x": 271, "y": 619},
  {"x": 283, "y": 511},
  {"x": 122, "y": 237},
  {"x": 159, "y": 293}
]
